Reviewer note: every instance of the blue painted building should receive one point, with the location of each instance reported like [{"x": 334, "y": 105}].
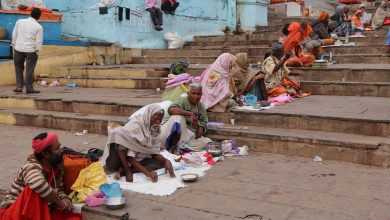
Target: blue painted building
[{"x": 193, "y": 18}]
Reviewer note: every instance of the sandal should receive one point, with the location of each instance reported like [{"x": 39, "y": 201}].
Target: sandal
[{"x": 18, "y": 90}]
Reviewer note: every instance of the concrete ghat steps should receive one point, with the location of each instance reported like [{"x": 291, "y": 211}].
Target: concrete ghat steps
[
  {"x": 376, "y": 89},
  {"x": 339, "y": 72},
  {"x": 332, "y": 146},
  {"x": 228, "y": 43},
  {"x": 339, "y": 58},
  {"x": 253, "y": 50},
  {"x": 362, "y": 58},
  {"x": 316, "y": 87},
  {"x": 105, "y": 71},
  {"x": 110, "y": 82},
  {"x": 316, "y": 113}
]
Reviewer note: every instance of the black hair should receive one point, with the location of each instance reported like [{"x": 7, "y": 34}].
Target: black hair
[
  {"x": 41, "y": 136},
  {"x": 36, "y": 13},
  {"x": 285, "y": 29}
]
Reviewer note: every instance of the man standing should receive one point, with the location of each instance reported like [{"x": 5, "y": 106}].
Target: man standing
[
  {"x": 187, "y": 123},
  {"x": 36, "y": 192},
  {"x": 27, "y": 39}
]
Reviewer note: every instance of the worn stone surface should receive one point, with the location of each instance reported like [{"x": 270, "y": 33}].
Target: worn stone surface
[{"x": 266, "y": 185}]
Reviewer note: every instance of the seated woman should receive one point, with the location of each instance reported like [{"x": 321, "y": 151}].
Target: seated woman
[
  {"x": 357, "y": 24},
  {"x": 277, "y": 78},
  {"x": 381, "y": 14},
  {"x": 344, "y": 26},
  {"x": 321, "y": 34},
  {"x": 366, "y": 17},
  {"x": 297, "y": 34},
  {"x": 135, "y": 147},
  {"x": 220, "y": 79},
  {"x": 248, "y": 81}
]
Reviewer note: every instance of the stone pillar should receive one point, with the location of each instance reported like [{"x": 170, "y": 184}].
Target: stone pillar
[{"x": 252, "y": 13}]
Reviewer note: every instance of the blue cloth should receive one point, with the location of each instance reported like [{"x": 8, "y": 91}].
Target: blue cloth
[
  {"x": 111, "y": 190},
  {"x": 176, "y": 128},
  {"x": 388, "y": 38},
  {"x": 255, "y": 91}
]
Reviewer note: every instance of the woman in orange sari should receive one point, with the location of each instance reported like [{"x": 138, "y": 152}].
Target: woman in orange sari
[{"x": 297, "y": 33}]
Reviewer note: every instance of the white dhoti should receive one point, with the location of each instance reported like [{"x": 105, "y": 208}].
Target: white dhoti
[{"x": 177, "y": 123}]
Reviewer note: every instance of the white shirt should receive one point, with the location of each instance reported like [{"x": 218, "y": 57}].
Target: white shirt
[{"x": 27, "y": 35}]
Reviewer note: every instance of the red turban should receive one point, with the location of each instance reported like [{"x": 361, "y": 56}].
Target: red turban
[
  {"x": 40, "y": 145},
  {"x": 324, "y": 16}
]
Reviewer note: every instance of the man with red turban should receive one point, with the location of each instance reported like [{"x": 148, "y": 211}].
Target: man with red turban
[
  {"x": 321, "y": 34},
  {"x": 36, "y": 193}
]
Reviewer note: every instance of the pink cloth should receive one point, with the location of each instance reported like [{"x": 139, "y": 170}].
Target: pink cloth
[
  {"x": 212, "y": 95},
  {"x": 151, "y": 4},
  {"x": 177, "y": 80},
  {"x": 282, "y": 98}
]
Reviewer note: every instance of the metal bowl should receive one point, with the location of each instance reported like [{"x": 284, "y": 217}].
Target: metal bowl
[
  {"x": 215, "y": 152},
  {"x": 115, "y": 203},
  {"x": 189, "y": 177}
]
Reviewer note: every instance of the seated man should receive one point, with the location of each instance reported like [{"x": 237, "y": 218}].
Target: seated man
[
  {"x": 278, "y": 78},
  {"x": 187, "y": 124},
  {"x": 36, "y": 192}
]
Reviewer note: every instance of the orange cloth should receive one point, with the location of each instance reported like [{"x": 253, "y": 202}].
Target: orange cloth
[
  {"x": 296, "y": 35},
  {"x": 44, "y": 16},
  {"x": 300, "y": 60},
  {"x": 30, "y": 206},
  {"x": 324, "y": 16},
  {"x": 287, "y": 82},
  {"x": 357, "y": 19},
  {"x": 43, "y": 10}
]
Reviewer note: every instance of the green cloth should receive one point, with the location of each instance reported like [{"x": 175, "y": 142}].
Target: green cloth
[
  {"x": 256, "y": 91},
  {"x": 183, "y": 103},
  {"x": 172, "y": 94}
]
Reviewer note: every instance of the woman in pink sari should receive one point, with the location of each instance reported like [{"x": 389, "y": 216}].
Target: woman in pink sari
[{"x": 217, "y": 84}]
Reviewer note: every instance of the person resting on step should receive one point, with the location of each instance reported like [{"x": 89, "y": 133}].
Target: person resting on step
[
  {"x": 381, "y": 14},
  {"x": 321, "y": 35},
  {"x": 187, "y": 123},
  {"x": 169, "y": 6},
  {"x": 228, "y": 78},
  {"x": 366, "y": 19},
  {"x": 357, "y": 24},
  {"x": 155, "y": 13},
  {"x": 36, "y": 192},
  {"x": 298, "y": 34},
  {"x": 135, "y": 147},
  {"x": 277, "y": 78}
]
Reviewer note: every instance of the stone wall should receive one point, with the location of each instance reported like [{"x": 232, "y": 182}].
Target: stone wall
[{"x": 193, "y": 17}]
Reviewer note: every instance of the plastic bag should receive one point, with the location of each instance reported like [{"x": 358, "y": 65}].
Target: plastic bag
[
  {"x": 174, "y": 40},
  {"x": 111, "y": 190},
  {"x": 95, "y": 199},
  {"x": 89, "y": 180}
]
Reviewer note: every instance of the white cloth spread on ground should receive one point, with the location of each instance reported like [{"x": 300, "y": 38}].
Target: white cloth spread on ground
[{"x": 165, "y": 185}]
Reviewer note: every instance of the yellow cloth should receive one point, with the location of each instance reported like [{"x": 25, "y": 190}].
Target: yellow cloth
[{"x": 89, "y": 180}]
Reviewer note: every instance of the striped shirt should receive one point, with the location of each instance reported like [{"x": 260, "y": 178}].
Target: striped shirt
[{"x": 33, "y": 175}]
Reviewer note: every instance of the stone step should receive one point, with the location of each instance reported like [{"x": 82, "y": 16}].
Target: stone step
[
  {"x": 337, "y": 73},
  {"x": 339, "y": 58},
  {"x": 330, "y": 145},
  {"x": 231, "y": 43},
  {"x": 362, "y": 58},
  {"x": 109, "y": 82},
  {"x": 342, "y": 114},
  {"x": 334, "y": 146},
  {"x": 376, "y": 89},
  {"x": 348, "y": 72},
  {"x": 104, "y": 72},
  {"x": 253, "y": 50}
]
